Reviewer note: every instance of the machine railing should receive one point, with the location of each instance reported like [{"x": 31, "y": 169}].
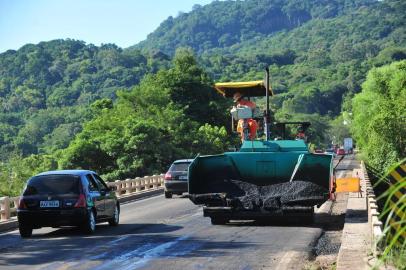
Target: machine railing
[{"x": 8, "y": 205}]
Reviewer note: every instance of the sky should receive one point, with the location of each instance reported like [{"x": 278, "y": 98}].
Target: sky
[{"x": 123, "y": 22}]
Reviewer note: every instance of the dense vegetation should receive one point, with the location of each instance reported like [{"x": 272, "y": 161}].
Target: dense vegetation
[
  {"x": 225, "y": 23},
  {"x": 379, "y": 116},
  {"x": 130, "y": 112},
  {"x": 378, "y": 125},
  {"x": 163, "y": 118},
  {"x": 46, "y": 89}
]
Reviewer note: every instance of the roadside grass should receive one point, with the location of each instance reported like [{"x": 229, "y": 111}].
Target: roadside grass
[
  {"x": 397, "y": 258},
  {"x": 316, "y": 265}
]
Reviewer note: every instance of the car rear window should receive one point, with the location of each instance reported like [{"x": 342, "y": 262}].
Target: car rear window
[
  {"x": 53, "y": 184},
  {"x": 179, "y": 167}
]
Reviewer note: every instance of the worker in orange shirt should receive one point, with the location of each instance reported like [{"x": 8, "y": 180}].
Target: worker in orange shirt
[{"x": 243, "y": 124}]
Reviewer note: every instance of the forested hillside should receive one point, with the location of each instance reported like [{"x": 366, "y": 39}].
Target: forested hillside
[
  {"x": 225, "y": 23},
  {"x": 46, "y": 90},
  {"x": 129, "y": 112},
  {"x": 319, "y": 51},
  {"x": 315, "y": 66}
]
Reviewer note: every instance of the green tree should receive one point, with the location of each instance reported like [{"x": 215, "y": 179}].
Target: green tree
[
  {"x": 379, "y": 115},
  {"x": 150, "y": 126}
]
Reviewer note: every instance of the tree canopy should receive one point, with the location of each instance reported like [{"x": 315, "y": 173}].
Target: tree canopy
[
  {"x": 164, "y": 118},
  {"x": 380, "y": 115}
]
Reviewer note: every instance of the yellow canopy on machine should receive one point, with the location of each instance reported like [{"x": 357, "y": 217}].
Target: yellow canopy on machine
[{"x": 248, "y": 89}]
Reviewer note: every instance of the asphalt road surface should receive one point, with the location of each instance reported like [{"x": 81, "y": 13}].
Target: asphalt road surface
[{"x": 158, "y": 233}]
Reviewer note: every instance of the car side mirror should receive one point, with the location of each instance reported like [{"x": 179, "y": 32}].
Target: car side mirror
[{"x": 113, "y": 188}]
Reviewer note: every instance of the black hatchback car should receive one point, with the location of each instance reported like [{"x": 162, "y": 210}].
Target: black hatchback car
[
  {"x": 66, "y": 198},
  {"x": 176, "y": 179}
]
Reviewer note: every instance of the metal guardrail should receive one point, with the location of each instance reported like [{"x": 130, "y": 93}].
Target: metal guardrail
[{"x": 8, "y": 205}]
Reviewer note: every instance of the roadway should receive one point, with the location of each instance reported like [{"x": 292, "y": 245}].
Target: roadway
[{"x": 159, "y": 233}]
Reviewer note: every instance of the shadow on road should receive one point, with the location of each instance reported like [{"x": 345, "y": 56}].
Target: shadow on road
[
  {"x": 357, "y": 216},
  {"x": 104, "y": 230},
  {"x": 319, "y": 220}
]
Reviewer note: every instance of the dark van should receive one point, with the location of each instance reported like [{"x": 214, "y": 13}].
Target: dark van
[{"x": 66, "y": 198}]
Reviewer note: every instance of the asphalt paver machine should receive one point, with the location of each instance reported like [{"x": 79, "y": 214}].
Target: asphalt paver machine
[{"x": 266, "y": 178}]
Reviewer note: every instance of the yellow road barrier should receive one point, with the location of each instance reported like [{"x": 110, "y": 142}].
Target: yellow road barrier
[{"x": 349, "y": 184}]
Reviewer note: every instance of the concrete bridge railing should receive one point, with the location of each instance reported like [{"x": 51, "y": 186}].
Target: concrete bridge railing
[
  {"x": 373, "y": 212},
  {"x": 8, "y": 207},
  {"x": 123, "y": 188}
]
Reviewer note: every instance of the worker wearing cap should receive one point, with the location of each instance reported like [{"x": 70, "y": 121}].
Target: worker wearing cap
[{"x": 252, "y": 124}]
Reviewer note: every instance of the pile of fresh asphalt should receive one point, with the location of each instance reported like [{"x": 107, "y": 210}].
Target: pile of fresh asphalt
[
  {"x": 247, "y": 196},
  {"x": 276, "y": 196}
]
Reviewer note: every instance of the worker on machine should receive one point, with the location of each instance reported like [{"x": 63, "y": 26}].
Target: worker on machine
[
  {"x": 300, "y": 133},
  {"x": 246, "y": 127}
]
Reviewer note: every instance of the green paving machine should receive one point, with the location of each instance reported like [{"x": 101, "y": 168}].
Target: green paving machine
[{"x": 266, "y": 178}]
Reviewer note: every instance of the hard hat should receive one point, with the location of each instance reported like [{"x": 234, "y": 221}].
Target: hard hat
[{"x": 237, "y": 96}]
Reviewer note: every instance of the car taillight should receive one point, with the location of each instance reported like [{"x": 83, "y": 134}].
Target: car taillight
[
  {"x": 168, "y": 176},
  {"x": 21, "y": 204},
  {"x": 81, "y": 202}
]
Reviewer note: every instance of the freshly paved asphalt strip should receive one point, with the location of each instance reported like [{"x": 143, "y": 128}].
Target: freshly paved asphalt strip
[{"x": 158, "y": 233}]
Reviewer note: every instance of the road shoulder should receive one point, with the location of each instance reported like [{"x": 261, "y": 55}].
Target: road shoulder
[{"x": 356, "y": 234}]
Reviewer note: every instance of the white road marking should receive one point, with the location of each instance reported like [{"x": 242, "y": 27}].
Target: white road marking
[{"x": 139, "y": 257}]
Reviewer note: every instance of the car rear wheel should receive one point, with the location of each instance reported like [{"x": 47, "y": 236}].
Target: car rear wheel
[
  {"x": 25, "y": 231},
  {"x": 90, "y": 226},
  {"x": 168, "y": 195},
  {"x": 116, "y": 217}
]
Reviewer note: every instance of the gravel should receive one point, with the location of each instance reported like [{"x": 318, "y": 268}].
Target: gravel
[{"x": 326, "y": 250}]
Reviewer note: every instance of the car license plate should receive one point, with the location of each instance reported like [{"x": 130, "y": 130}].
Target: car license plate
[
  {"x": 183, "y": 177},
  {"x": 49, "y": 204}
]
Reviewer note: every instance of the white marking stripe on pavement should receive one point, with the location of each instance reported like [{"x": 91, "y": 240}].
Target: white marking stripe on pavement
[{"x": 139, "y": 257}]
